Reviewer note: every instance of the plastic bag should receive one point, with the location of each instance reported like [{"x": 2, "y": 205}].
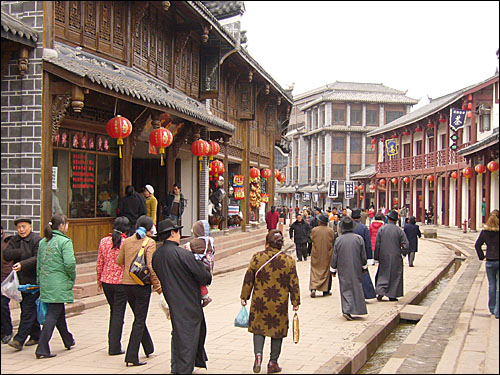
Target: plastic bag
[
  {"x": 241, "y": 319},
  {"x": 10, "y": 285},
  {"x": 296, "y": 331},
  {"x": 164, "y": 306},
  {"x": 41, "y": 310}
]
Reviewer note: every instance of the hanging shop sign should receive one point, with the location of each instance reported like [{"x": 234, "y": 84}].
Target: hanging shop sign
[
  {"x": 348, "y": 189},
  {"x": 297, "y": 196},
  {"x": 333, "y": 191},
  {"x": 54, "y": 178},
  {"x": 315, "y": 197},
  {"x": 307, "y": 196},
  {"x": 239, "y": 190},
  {"x": 391, "y": 145},
  {"x": 457, "y": 118}
]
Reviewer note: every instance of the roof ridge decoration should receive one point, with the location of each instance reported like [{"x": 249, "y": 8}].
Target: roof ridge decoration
[
  {"x": 131, "y": 82},
  {"x": 18, "y": 29}
]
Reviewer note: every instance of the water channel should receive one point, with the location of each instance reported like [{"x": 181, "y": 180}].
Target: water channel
[{"x": 392, "y": 342}]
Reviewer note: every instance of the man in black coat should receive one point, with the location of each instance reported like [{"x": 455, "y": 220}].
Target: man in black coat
[
  {"x": 362, "y": 230},
  {"x": 300, "y": 232},
  {"x": 23, "y": 251},
  {"x": 132, "y": 206},
  {"x": 180, "y": 276},
  {"x": 412, "y": 232}
]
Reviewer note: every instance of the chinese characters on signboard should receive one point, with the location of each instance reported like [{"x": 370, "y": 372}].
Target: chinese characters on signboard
[
  {"x": 83, "y": 171},
  {"x": 391, "y": 146},
  {"x": 315, "y": 197},
  {"x": 297, "y": 196},
  {"x": 307, "y": 196},
  {"x": 239, "y": 190},
  {"x": 457, "y": 118},
  {"x": 348, "y": 189},
  {"x": 333, "y": 189}
]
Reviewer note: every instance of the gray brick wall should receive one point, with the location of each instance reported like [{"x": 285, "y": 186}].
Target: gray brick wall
[{"x": 21, "y": 126}]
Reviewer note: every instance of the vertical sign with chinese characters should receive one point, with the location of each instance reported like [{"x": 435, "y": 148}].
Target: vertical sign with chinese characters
[
  {"x": 315, "y": 197},
  {"x": 391, "y": 146},
  {"x": 307, "y": 196},
  {"x": 457, "y": 118},
  {"x": 348, "y": 189},
  {"x": 333, "y": 191},
  {"x": 297, "y": 196}
]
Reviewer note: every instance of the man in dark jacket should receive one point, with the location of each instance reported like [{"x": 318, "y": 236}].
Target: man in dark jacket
[
  {"x": 173, "y": 204},
  {"x": 23, "y": 250},
  {"x": 391, "y": 245},
  {"x": 412, "y": 232},
  {"x": 6, "y": 270},
  {"x": 362, "y": 230},
  {"x": 132, "y": 206},
  {"x": 180, "y": 276},
  {"x": 300, "y": 232}
]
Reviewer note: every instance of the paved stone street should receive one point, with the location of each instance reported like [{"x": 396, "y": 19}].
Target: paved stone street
[{"x": 326, "y": 339}]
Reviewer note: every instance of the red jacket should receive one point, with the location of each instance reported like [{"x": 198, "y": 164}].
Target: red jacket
[
  {"x": 272, "y": 219},
  {"x": 374, "y": 227}
]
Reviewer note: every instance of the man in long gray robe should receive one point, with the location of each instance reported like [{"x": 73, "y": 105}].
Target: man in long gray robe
[
  {"x": 391, "y": 246},
  {"x": 349, "y": 260}
]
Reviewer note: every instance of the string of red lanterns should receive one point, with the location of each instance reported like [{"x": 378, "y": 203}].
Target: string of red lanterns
[{"x": 266, "y": 173}]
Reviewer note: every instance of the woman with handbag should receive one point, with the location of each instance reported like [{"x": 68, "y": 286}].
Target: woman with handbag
[
  {"x": 272, "y": 276},
  {"x": 56, "y": 274},
  {"x": 109, "y": 278},
  {"x": 133, "y": 248}
]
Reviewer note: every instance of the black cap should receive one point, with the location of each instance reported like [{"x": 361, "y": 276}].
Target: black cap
[
  {"x": 323, "y": 218},
  {"x": 22, "y": 220},
  {"x": 393, "y": 215},
  {"x": 356, "y": 213},
  {"x": 166, "y": 225},
  {"x": 347, "y": 225}
]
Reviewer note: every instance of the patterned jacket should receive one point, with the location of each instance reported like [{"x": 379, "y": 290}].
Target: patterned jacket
[{"x": 269, "y": 307}]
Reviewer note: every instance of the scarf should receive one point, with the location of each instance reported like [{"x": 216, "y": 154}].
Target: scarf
[{"x": 202, "y": 241}]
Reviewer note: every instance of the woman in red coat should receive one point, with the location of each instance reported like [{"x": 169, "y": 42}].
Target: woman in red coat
[
  {"x": 272, "y": 218},
  {"x": 375, "y": 226}
]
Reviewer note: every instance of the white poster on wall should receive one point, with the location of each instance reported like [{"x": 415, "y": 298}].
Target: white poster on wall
[{"x": 54, "y": 178}]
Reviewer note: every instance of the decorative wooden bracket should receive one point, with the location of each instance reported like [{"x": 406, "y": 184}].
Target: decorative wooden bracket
[
  {"x": 22, "y": 61},
  {"x": 204, "y": 33},
  {"x": 60, "y": 104}
]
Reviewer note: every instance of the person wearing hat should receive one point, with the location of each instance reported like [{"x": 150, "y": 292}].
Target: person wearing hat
[
  {"x": 323, "y": 239},
  {"x": 362, "y": 230},
  {"x": 181, "y": 275},
  {"x": 151, "y": 202},
  {"x": 391, "y": 246},
  {"x": 22, "y": 250},
  {"x": 6, "y": 270},
  {"x": 349, "y": 261}
]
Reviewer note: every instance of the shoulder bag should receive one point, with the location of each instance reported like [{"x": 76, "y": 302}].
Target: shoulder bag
[{"x": 139, "y": 270}]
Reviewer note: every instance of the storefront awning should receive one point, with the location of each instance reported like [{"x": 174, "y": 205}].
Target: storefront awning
[
  {"x": 489, "y": 141},
  {"x": 308, "y": 189},
  {"x": 368, "y": 172},
  {"x": 131, "y": 82},
  {"x": 286, "y": 189}
]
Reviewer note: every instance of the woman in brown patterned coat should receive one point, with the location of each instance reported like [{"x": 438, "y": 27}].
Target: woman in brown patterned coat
[{"x": 272, "y": 276}]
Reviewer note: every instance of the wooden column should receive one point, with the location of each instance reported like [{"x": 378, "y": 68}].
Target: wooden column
[
  {"x": 487, "y": 196},
  {"x": 411, "y": 195},
  {"x": 376, "y": 196},
  {"x": 472, "y": 200},
  {"x": 47, "y": 155},
  {"x": 458, "y": 214},
  {"x": 422, "y": 210},
  {"x": 245, "y": 167},
  {"x": 436, "y": 210},
  {"x": 225, "y": 203},
  {"x": 388, "y": 194},
  {"x": 446, "y": 215}
]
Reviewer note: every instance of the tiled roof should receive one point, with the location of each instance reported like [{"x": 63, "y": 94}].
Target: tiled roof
[
  {"x": 225, "y": 9},
  {"x": 368, "y": 172},
  {"x": 131, "y": 82},
  {"x": 361, "y": 92},
  {"x": 482, "y": 144},
  {"x": 427, "y": 110},
  {"x": 15, "y": 30}
]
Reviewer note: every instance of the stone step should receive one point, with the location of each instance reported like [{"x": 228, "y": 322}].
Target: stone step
[
  {"x": 85, "y": 290},
  {"x": 242, "y": 247},
  {"x": 82, "y": 278}
]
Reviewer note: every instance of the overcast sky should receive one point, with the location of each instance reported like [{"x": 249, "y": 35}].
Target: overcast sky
[{"x": 427, "y": 48}]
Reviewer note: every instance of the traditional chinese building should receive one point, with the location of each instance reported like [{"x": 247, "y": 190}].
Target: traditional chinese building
[
  {"x": 74, "y": 65},
  {"x": 327, "y": 131},
  {"x": 431, "y": 171}
]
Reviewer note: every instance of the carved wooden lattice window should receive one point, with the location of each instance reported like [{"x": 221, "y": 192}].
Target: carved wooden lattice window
[
  {"x": 245, "y": 100},
  {"x": 105, "y": 24},
  {"x": 118, "y": 27},
  {"x": 90, "y": 14},
  {"x": 75, "y": 19},
  {"x": 60, "y": 11},
  {"x": 152, "y": 43},
  {"x": 209, "y": 81}
]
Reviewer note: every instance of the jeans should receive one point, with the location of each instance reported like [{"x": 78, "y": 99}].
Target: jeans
[
  {"x": 6, "y": 321},
  {"x": 492, "y": 275},
  {"x": 117, "y": 300},
  {"x": 258, "y": 346},
  {"x": 56, "y": 317}
]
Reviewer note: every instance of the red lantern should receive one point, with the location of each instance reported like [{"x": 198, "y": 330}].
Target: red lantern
[
  {"x": 200, "y": 148},
  {"x": 373, "y": 141},
  {"x": 382, "y": 181},
  {"x": 360, "y": 188},
  {"x": 161, "y": 138},
  {"x": 394, "y": 181},
  {"x": 469, "y": 114},
  {"x": 442, "y": 119},
  {"x": 282, "y": 178},
  {"x": 430, "y": 125},
  {"x": 119, "y": 127},
  {"x": 266, "y": 173},
  {"x": 492, "y": 166},
  {"x": 480, "y": 169},
  {"x": 254, "y": 173},
  {"x": 372, "y": 187},
  {"x": 467, "y": 172},
  {"x": 214, "y": 149},
  {"x": 469, "y": 105},
  {"x": 406, "y": 132},
  {"x": 394, "y": 135},
  {"x": 418, "y": 129},
  {"x": 216, "y": 168},
  {"x": 406, "y": 180},
  {"x": 454, "y": 175},
  {"x": 430, "y": 178}
]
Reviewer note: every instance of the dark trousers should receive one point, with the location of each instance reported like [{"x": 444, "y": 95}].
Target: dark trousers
[
  {"x": 6, "y": 320},
  {"x": 138, "y": 298},
  {"x": 117, "y": 300},
  {"x": 258, "y": 346},
  {"x": 411, "y": 258},
  {"x": 301, "y": 249},
  {"x": 28, "y": 326},
  {"x": 309, "y": 248},
  {"x": 56, "y": 317}
]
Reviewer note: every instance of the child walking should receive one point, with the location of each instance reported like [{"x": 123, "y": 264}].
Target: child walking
[{"x": 203, "y": 249}]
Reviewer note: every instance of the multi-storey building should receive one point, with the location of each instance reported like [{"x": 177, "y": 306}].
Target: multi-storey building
[
  {"x": 426, "y": 174},
  {"x": 327, "y": 131},
  {"x": 68, "y": 67}
]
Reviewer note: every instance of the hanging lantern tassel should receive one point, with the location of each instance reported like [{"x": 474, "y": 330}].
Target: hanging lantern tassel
[
  {"x": 119, "y": 141},
  {"x": 162, "y": 151},
  {"x": 200, "y": 158}
]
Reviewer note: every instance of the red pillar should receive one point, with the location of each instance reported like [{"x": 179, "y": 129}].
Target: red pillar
[
  {"x": 487, "y": 187},
  {"x": 458, "y": 213},
  {"x": 446, "y": 218},
  {"x": 472, "y": 200},
  {"x": 422, "y": 210}
]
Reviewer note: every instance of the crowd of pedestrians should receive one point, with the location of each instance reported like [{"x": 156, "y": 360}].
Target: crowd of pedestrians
[{"x": 341, "y": 243}]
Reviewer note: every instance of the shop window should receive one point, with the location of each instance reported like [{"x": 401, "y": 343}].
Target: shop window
[
  {"x": 86, "y": 175},
  {"x": 484, "y": 122},
  {"x": 372, "y": 117}
]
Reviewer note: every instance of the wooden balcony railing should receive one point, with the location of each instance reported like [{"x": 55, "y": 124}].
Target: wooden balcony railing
[{"x": 431, "y": 160}]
